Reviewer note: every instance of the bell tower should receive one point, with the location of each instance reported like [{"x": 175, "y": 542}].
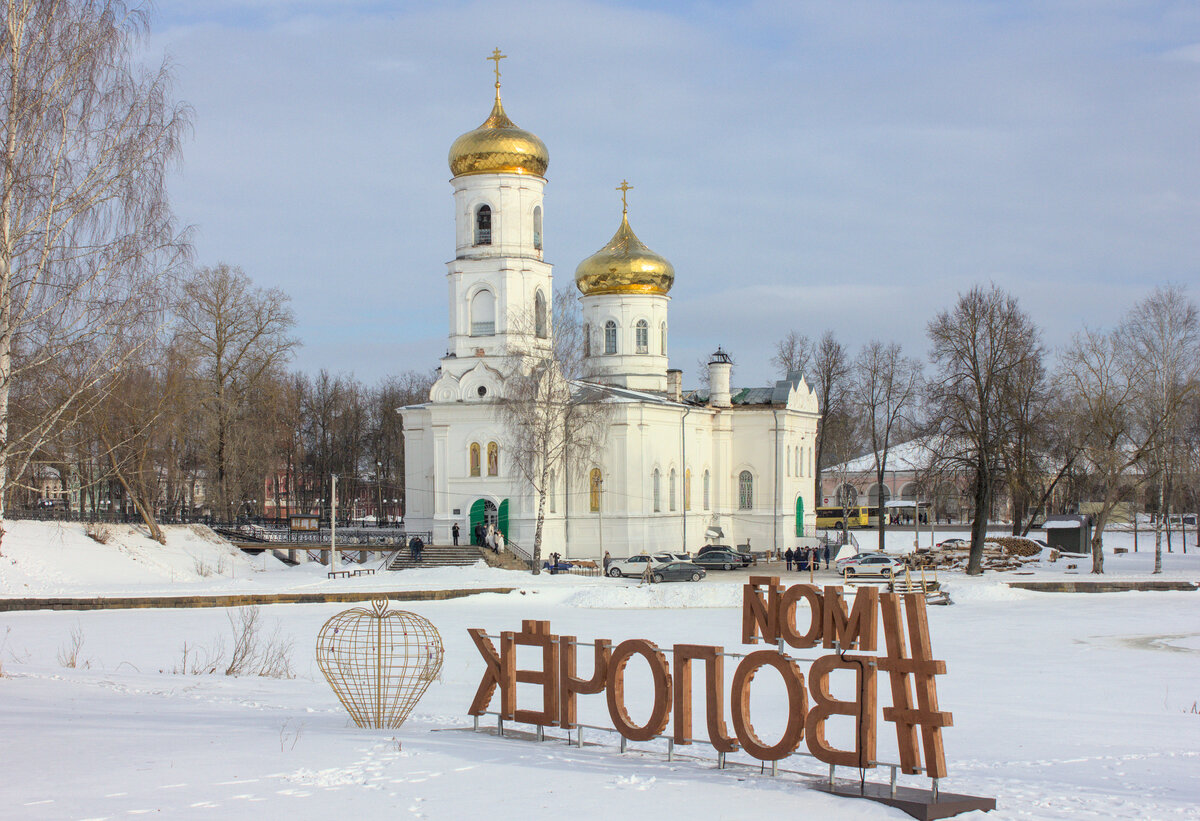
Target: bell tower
[{"x": 500, "y": 289}]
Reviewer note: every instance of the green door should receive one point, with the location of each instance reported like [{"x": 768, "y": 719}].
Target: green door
[
  {"x": 799, "y": 515},
  {"x": 477, "y": 514},
  {"x": 502, "y": 519}
]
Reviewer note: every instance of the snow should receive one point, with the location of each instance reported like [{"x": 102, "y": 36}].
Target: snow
[
  {"x": 1065, "y": 706},
  {"x": 1060, "y": 524}
]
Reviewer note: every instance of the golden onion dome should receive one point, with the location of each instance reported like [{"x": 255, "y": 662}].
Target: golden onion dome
[
  {"x": 624, "y": 266},
  {"x": 498, "y": 147}
]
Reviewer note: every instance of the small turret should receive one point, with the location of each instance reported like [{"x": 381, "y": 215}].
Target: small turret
[{"x": 718, "y": 379}]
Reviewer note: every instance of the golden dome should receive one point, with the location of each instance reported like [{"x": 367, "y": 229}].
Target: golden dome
[
  {"x": 498, "y": 147},
  {"x": 624, "y": 266}
]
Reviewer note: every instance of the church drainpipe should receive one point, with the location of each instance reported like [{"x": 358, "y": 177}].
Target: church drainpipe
[
  {"x": 775, "y": 500},
  {"x": 684, "y": 475}
]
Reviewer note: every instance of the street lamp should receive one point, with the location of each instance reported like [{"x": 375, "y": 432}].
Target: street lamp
[{"x": 379, "y": 488}]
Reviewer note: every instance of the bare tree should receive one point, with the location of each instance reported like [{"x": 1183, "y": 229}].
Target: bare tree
[
  {"x": 835, "y": 429},
  {"x": 1100, "y": 384},
  {"x": 555, "y": 423},
  {"x": 238, "y": 337},
  {"x": 86, "y": 233},
  {"x": 886, "y": 385},
  {"x": 1163, "y": 337},
  {"x": 979, "y": 349},
  {"x": 793, "y": 353}
]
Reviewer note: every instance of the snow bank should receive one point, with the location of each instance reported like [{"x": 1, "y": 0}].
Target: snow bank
[{"x": 657, "y": 596}]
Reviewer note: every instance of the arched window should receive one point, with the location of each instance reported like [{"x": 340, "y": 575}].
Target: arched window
[
  {"x": 656, "y": 483},
  {"x": 587, "y": 340},
  {"x": 707, "y": 504},
  {"x": 483, "y": 314},
  {"x": 539, "y": 315},
  {"x": 474, "y": 458},
  {"x": 483, "y": 225},
  {"x": 687, "y": 489},
  {"x": 745, "y": 490},
  {"x": 551, "y": 491},
  {"x": 662, "y": 339},
  {"x": 643, "y": 336},
  {"x": 671, "y": 491},
  {"x": 610, "y": 337},
  {"x": 595, "y": 482},
  {"x": 537, "y": 228},
  {"x": 493, "y": 459}
]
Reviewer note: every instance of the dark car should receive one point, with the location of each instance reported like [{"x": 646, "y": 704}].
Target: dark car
[
  {"x": 678, "y": 572},
  {"x": 722, "y": 559},
  {"x": 745, "y": 558}
]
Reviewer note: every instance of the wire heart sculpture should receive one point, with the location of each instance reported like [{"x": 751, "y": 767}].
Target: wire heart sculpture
[{"x": 379, "y": 662}]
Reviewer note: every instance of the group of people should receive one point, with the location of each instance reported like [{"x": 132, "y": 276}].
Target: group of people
[
  {"x": 805, "y": 558},
  {"x": 490, "y": 537}
]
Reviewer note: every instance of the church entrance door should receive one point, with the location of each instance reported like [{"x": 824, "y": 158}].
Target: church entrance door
[
  {"x": 483, "y": 512},
  {"x": 799, "y": 515},
  {"x": 502, "y": 519}
]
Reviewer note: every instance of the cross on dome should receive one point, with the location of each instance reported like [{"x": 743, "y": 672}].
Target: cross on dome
[
  {"x": 496, "y": 57},
  {"x": 623, "y": 188}
]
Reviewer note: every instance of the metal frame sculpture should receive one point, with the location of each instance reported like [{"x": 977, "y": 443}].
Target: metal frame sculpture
[{"x": 379, "y": 662}]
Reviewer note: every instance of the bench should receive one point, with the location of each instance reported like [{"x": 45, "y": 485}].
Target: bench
[
  {"x": 366, "y": 571},
  {"x": 333, "y": 574}
]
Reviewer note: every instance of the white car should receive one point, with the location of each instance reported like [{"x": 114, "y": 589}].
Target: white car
[
  {"x": 672, "y": 557},
  {"x": 634, "y": 565},
  {"x": 873, "y": 564}
]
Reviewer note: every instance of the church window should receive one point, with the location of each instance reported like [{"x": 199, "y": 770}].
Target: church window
[
  {"x": 610, "y": 337},
  {"x": 643, "y": 336},
  {"x": 595, "y": 482},
  {"x": 707, "y": 498},
  {"x": 687, "y": 489},
  {"x": 587, "y": 340},
  {"x": 537, "y": 228},
  {"x": 539, "y": 316},
  {"x": 671, "y": 491},
  {"x": 474, "y": 458},
  {"x": 483, "y": 225},
  {"x": 656, "y": 483},
  {"x": 662, "y": 339},
  {"x": 493, "y": 459},
  {"x": 745, "y": 490},
  {"x": 483, "y": 314}
]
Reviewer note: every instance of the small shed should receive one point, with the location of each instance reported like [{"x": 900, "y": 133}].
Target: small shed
[{"x": 1070, "y": 534}]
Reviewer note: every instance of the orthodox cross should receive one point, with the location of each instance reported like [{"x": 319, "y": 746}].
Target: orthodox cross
[
  {"x": 496, "y": 58},
  {"x": 623, "y": 188}
]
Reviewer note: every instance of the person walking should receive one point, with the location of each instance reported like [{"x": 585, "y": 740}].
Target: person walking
[
  {"x": 826, "y": 557},
  {"x": 607, "y": 561},
  {"x": 499, "y": 540},
  {"x": 788, "y": 556},
  {"x": 415, "y": 547},
  {"x": 454, "y": 533},
  {"x": 479, "y": 534}
]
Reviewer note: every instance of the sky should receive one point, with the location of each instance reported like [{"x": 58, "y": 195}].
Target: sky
[{"x": 850, "y": 165}]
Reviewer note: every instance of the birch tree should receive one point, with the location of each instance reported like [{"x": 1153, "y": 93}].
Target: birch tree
[
  {"x": 555, "y": 424},
  {"x": 886, "y": 384},
  {"x": 86, "y": 232},
  {"x": 1162, "y": 333}
]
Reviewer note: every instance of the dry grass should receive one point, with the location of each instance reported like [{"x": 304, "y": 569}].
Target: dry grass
[
  {"x": 99, "y": 533},
  {"x": 68, "y": 654}
]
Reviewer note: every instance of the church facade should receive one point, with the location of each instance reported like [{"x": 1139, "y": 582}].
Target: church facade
[{"x": 676, "y": 471}]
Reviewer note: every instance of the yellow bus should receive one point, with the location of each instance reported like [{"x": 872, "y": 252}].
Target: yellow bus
[{"x": 837, "y": 517}]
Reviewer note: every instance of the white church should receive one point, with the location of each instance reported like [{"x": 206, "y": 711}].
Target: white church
[{"x": 676, "y": 472}]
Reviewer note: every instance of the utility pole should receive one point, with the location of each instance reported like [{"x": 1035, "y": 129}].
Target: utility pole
[{"x": 333, "y": 554}]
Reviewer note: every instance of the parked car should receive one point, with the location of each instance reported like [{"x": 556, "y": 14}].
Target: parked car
[
  {"x": 667, "y": 556},
  {"x": 723, "y": 559},
  {"x": 633, "y": 566},
  {"x": 874, "y": 564},
  {"x": 677, "y": 572},
  {"x": 745, "y": 558},
  {"x": 953, "y": 544}
]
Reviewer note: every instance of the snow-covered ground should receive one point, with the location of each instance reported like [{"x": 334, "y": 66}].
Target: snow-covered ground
[{"x": 1065, "y": 706}]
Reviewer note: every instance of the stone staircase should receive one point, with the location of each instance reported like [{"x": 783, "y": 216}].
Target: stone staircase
[{"x": 436, "y": 556}]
